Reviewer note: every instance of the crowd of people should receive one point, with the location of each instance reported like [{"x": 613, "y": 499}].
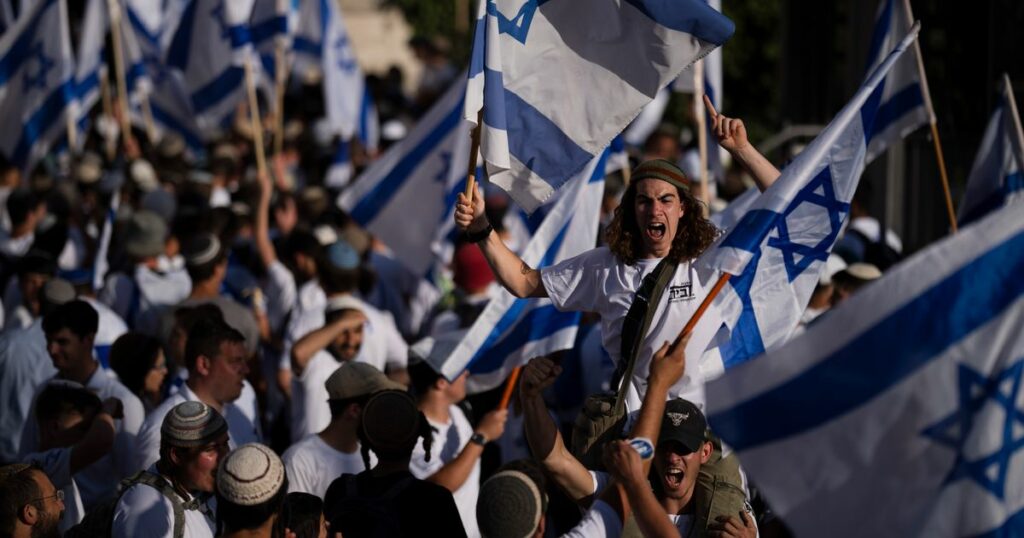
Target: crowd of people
[{"x": 240, "y": 358}]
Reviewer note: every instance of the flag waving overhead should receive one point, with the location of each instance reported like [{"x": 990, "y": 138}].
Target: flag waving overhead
[
  {"x": 36, "y": 82},
  {"x": 781, "y": 243},
  {"x": 901, "y": 413},
  {"x": 557, "y": 79},
  {"x": 904, "y": 100},
  {"x": 998, "y": 170},
  {"x": 510, "y": 331}
]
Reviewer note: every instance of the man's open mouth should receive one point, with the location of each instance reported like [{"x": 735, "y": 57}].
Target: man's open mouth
[
  {"x": 673, "y": 477},
  {"x": 656, "y": 230}
]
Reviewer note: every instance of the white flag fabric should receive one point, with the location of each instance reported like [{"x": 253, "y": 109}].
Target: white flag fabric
[
  {"x": 407, "y": 197},
  {"x": 209, "y": 49},
  {"x": 781, "y": 243},
  {"x": 904, "y": 103},
  {"x": 557, "y": 80},
  {"x": 36, "y": 82},
  {"x": 649, "y": 118},
  {"x": 998, "y": 171},
  {"x": 901, "y": 412},
  {"x": 511, "y": 331},
  {"x": 273, "y": 23}
]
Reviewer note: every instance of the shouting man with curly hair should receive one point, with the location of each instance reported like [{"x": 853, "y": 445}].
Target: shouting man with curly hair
[{"x": 657, "y": 218}]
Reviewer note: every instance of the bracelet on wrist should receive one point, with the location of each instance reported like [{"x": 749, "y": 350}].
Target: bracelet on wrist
[{"x": 476, "y": 237}]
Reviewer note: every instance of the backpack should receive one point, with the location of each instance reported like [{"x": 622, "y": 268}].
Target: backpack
[
  {"x": 100, "y": 520},
  {"x": 878, "y": 253},
  {"x": 357, "y": 514}
]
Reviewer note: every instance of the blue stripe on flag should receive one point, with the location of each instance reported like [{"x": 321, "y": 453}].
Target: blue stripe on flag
[
  {"x": 911, "y": 337},
  {"x": 538, "y": 142},
  {"x": 87, "y": 85},
  {"x": 494, "y": 93},
  {"x": 140, "y": 28},
  {"x": 48, "y": 113},
  {"x": 881, "y": 31},
  {"x": 375, "y": 200},
  {"x": 535, "y": 325},
  {"x": 19, "y": 51},
  {"x": 745, "y": 340},
  {"x": 191, "y": 139},
  {"x": 896, "y": 107},
  {"x": 1009, "y": 529},
  {"x": 751, "y": 230},
  {"x": 476, "y": 62},
  {"x": 307, "y": 46},
  {"x": 239, "y": 36},
  {"x": 694, "y": 17},
  {"x": 217, "y": 89},
  {"x": 103, "y": 354},
  {"x": 181, "y": 43},
  {"x": 267, "y": 29},
  {"x": 1013, "y": 183}
]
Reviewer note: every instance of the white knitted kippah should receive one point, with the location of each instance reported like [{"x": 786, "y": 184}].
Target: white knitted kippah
[
  {"x": 252, "y": 474},
  {"x": 192, "y": 424}
]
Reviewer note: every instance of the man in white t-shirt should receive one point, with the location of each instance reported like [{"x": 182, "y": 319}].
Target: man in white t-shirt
[
  {"x": 456, "y": 448},
  {"x": 217, "y": 364},
  {"x": 658, "y": 218},
  {"x": 193, "y": 441},
  {"x": 314, "y": 462},
  {"x": 70, "y": 331}
]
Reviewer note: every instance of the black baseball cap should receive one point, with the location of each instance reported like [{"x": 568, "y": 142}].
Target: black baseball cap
[{"x": 683, "y": 422}]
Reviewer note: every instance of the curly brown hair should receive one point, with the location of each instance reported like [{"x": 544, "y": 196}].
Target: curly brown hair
[{"x": 694, "y": 234}]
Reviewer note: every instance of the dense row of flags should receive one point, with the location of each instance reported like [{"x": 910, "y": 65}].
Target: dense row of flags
[{"x": 184, "y": 67}]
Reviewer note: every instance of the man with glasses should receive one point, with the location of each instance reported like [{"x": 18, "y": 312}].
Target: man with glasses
[{"x": 30, "y": 505}]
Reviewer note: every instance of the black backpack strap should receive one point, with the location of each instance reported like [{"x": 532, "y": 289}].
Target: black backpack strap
[{"x": 638, "y": 321}]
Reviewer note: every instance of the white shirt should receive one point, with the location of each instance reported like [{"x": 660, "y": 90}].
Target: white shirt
[
  {"x": 596, "y": 281},
  {"x": 308, "y": 308},
  {"x": 99, "y": 481},
  {"x": 140, "y": 299},
  {"x": 56, "y": 463},
  {"x": 24, "y": 366},
  {"x": 145, "y": 511},
  {"x": 449, "y": 440},
  {"x": 281, "y": 293},
  {"x": 312, "y": 464},
  {"x": 111, "y": 328},
  {"x": 241, "y": 428},
  {"x": 310, "y": 412}
]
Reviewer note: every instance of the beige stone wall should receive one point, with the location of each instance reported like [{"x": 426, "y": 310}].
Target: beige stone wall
[{"x": 380, "y": 39}]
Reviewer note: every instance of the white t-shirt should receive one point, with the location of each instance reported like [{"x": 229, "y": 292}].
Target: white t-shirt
[
  {"x": 596, "y": 281},
  {"x": 281, "y": 293},
  {"x": 56, "y": 463},
  {"x": 99, "y": 481},
  {"x": 310, "y": 411},
  {"x": 241, "y": 428},
  {"x": 312, "y": 464},
  {"x": 24, "y": 366},
  {"x": 449, "y": 440},
  {"x": 145, "y": 511}
]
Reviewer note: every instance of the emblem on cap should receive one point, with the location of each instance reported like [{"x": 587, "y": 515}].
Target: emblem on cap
[{"x": 677, "y": 418}]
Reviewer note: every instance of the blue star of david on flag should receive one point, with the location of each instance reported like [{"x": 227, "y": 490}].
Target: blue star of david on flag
[
  {"x": 347, "y": 63},
  {"x": 43, "y": 65},
  {"x": 519, "y": 26},
  {"x": 446, "y": 167},
  {"x": 819, "y": 192},
  {"x": 960, "y": 427}
]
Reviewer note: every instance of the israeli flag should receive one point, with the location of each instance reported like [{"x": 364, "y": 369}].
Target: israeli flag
[
  {"x": 901, "y": 412},
  {"x": 904, "y": 103},
  {"x": 152, "y": 28},
  {"x": 510, "y": 331},
  {"x": 781, "y": 243},
  {"x": 557, "y": 80},
  {"x": 322, "y": 42},
  {"x": 998, "y": 171},
  {"x": 273, "y": 23},
  {"x": 36, "y": 82},
  {"x": 407, "y": 197},
  {"x": 209, "y": 49},
  {"x": 649, "y": 118}
]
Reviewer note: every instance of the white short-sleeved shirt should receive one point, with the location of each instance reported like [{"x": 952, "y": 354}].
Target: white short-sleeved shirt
[
  {"x": 596, "y": 281},
  {"x": 449, "y": 440},
  {"x": 281, "y": 293},
  {"x": 145, "y": 511},
  {"x": 56, "y": 463},
  {"x": 99, "y": 481},
  {"x": 312, "y": 464},
  {"x": 310, "y": 412},
  {"x": 24, "y": 366},
  {"x": 241, "y": 428}
]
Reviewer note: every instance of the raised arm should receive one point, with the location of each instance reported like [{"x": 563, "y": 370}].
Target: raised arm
[
  {"x": 310, "y": 344},
  {"x": 732, "y": 135},
  {"x": 542, "y": 434},
  {"x": 518, "y": 278}
]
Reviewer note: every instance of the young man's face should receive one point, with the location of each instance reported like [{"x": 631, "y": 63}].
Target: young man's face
[
  {"x": 346, "y": 346},
  {"x": 226, "y": 372},
  {"x": 201, "y": 465},
  {"x": 67, "y": 350},
  {"x": 658, "y": 210},
  {"x": 677, "y": 468}
]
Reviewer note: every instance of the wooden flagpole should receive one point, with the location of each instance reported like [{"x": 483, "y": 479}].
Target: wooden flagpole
[
  {"x": 108, "y": 111},
  {"x": 281, "y": 79},
  {"x": 715, "y": 290},
  {"x": 1017, "y": 130},
  {"x": 254, "y": 118},
  {"x": 114, "y": 11},
  {"x": 474, "y": 149},
  {"x": 702, "y": 132},
  {"x": 933, "y": 121},
  {"x": 510, "y": 386}
]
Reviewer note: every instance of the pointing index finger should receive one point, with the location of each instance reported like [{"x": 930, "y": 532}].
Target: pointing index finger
[{"x": 710, "y": 107}]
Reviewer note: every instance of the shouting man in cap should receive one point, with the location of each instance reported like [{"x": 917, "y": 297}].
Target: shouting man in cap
[
  {"x": 169, "y": 498},
  {"x": 320, "y": 458}
]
